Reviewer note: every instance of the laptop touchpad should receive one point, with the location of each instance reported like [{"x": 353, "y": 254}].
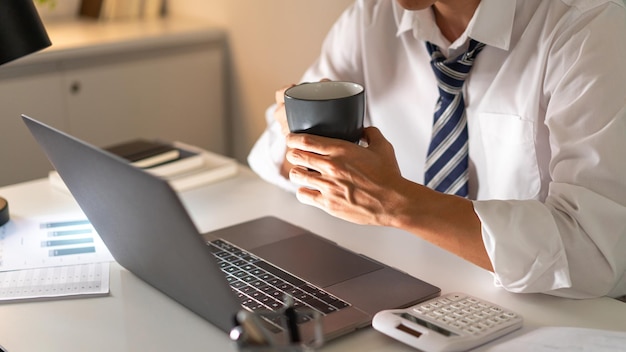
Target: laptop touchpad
[{"x": 316, "y": 260}]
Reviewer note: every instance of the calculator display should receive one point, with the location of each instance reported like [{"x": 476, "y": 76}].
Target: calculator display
[{"x": 426, "y": 324}]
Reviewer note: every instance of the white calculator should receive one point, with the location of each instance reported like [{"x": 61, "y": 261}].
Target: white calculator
[{"x": 451, "y": 322}]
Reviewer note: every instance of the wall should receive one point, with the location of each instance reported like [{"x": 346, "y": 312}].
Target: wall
[{"x": 271, "y": 43}]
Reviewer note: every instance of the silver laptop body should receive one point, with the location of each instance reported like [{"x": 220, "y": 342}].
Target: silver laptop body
[{"x": 148, "y": 231}]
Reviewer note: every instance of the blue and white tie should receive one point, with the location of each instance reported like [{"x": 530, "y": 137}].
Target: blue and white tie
[{"x": 447, "y": 160}]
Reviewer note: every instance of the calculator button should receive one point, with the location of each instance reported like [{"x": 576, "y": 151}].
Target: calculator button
[
  {"x": 420, "y": 310},
  {"x": 510, "y": 315},
  {"x": 454, "y": 297},
  {"x": 445, "y": 301},
  {"x": 471, "y": 318},
  {"x": 457, "y": 325},
  {"x": 496, "y": 309},
  {"x": 426, "y": 307},
  {"x": 481, "y": 315},
  {"x": 475, "y": 329},
  {"x": 475, "y": 308},
  {"x": 447, "y": 310},
  {"x": 504, "y": 317},
  {"x": 484, "y": 325},
  {"x": 500, "y": 321},
  {"x": 448, "y": 319}
]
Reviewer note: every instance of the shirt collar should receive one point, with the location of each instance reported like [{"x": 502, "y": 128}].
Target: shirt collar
[{"x": 492, "y": 24}]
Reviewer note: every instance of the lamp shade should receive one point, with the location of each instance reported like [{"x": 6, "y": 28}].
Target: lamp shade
[{"x": 21, "y": 30}]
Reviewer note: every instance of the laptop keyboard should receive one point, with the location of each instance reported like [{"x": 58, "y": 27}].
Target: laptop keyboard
[{"x": 262, "y": 286}]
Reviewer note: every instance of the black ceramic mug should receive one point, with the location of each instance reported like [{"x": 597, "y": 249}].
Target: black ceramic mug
[{"x": 328, "y": 108}]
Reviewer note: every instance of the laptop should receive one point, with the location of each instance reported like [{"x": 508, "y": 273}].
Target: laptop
[{"x": 250, "y": 265}]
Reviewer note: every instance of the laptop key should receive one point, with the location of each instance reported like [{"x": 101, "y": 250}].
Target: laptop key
[
  {"x": 313, "y": 291},
  {"x": 280, "y": 273},
  {"x": 334, "y": 301},
  {"x": 320, "y": 306}
]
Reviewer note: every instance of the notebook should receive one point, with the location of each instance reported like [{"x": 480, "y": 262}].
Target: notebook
[{"x": 148, "y": 231}]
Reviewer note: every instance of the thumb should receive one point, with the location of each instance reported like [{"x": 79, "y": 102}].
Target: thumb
[
  {"x": 373, "y": 136},
  {"x": 376, "y": 142}
]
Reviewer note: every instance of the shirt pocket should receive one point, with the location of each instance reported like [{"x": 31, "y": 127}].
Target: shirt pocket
[{"x": 511, "y": 168}]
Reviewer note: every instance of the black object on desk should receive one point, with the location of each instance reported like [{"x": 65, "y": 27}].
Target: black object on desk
[
  {"x": 145, "y": 153},
  {"x": 291, "y": 321},
  {"x": 4, "y": 218}
]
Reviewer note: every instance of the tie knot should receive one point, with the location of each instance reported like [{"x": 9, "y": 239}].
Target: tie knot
[{"x": 451, "y": 74}]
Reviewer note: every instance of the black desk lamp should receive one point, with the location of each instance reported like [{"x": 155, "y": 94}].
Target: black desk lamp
[{"x": 21, "y": 33}]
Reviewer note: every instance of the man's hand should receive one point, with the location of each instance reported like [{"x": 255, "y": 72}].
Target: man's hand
[{"x": 359, "y": 184}]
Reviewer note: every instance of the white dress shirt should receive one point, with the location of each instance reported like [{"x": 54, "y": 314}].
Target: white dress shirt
[{"x": 546, "y": 110}]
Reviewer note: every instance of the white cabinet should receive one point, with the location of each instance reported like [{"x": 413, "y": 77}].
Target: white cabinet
[
  {"x": 38, "y": 95},
  {"x": 110, "y": 82}
]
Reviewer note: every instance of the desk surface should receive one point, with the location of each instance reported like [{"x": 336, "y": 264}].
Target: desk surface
[{"x": 136, "y": 317}]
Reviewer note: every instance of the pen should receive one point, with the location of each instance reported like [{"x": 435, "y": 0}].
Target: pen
[
  {"x": 2, "y": 349},
  {"x": 292, "y": 321}
]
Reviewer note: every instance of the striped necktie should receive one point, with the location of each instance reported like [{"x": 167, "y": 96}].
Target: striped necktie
[{"x": 447, "y": 160}]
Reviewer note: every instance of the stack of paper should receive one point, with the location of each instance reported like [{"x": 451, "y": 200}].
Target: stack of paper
[
  {"x": 193, "y": 168},
  {"x": 198, "y": 168}
]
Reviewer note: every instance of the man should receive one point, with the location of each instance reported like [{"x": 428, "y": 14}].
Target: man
[{"x": 545, "y": 110}]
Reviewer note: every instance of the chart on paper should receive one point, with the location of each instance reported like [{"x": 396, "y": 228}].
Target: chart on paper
[{"x": 46, "y": 242}]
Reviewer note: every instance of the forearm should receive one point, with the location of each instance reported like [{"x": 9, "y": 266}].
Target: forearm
[{"x": 445, "y": 220}]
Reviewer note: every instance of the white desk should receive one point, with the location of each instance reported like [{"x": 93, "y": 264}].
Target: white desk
[{"x": 136, "y": 317}]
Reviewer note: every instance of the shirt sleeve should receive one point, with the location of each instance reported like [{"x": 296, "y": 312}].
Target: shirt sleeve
[
  {"x": 573, "y": 244},
  {"x": 268, "y": 153}
]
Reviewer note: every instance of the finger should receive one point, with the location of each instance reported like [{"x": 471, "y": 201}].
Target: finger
[
  {"x": 315, "y": 144},
  {"x": 309, "y": 197},
  {"x": 307, "y": 177},
  {"x": 279, "y": 96},
  {"x": 302, "y": 158}
]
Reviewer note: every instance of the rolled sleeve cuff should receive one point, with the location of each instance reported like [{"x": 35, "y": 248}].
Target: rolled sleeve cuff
[{"x": 525, "y": 257}]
